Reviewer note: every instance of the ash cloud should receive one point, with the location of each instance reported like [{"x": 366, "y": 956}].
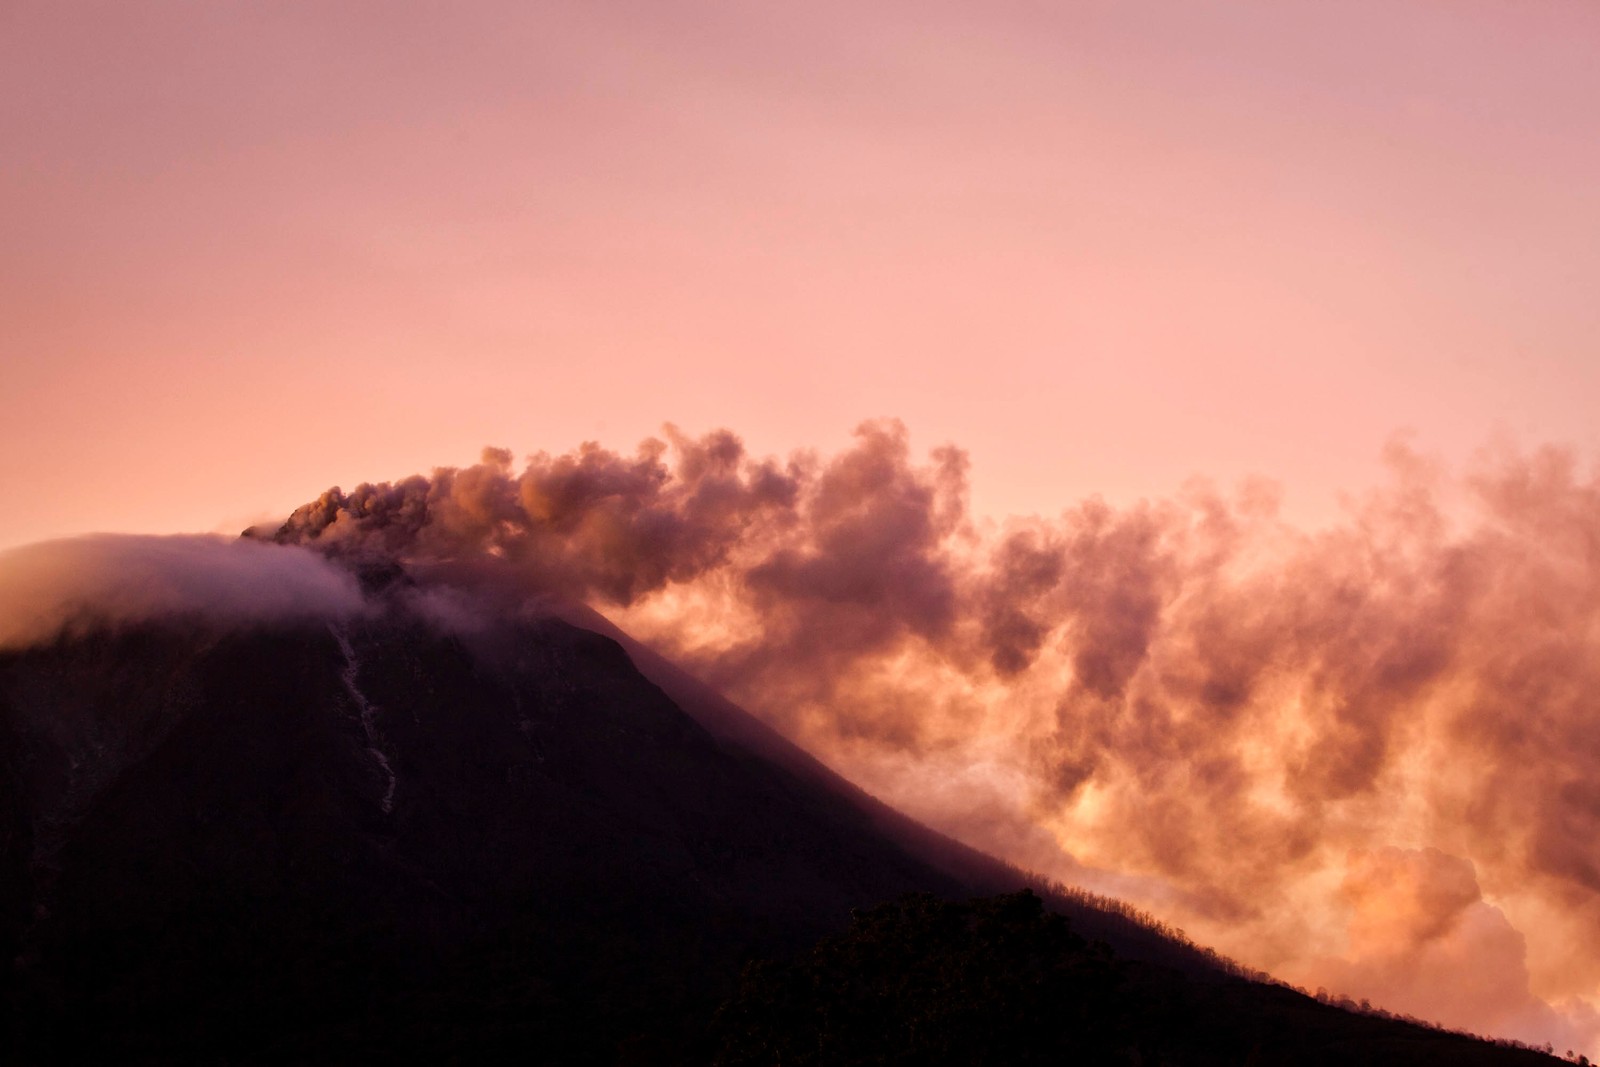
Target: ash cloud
[
  {"x": 1216, "y": 707},
  {"x": 591, "y": 523},
  {"x": 1421, "y": 940},
  {"x": 109, "y": 580}
]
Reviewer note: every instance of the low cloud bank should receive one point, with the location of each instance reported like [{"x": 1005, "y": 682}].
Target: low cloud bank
[{"x": 72, "y": 585}]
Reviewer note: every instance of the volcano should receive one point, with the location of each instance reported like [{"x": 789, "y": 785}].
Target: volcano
[{"x": 387, "y": 839}]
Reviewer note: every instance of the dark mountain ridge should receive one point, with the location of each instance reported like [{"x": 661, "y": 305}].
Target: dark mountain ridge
[
  {"x": 977, "y": 871},
  {"x": 318, "y": 843},
  {"x": 170, "y": 780}
]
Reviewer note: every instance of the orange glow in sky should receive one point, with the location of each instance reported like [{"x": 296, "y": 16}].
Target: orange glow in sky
[{"x": 250, "y": 251}]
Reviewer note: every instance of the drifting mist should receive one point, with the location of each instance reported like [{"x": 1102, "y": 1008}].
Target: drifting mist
[{"x": 71, "y": 585}]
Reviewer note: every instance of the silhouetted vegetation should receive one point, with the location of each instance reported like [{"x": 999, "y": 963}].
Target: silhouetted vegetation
[
  {"x": 928, "y": 981},
  {"x": 1003, "y": 980}
]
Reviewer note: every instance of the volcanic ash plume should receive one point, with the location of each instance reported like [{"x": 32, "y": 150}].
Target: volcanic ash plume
[{"x": 1366, "y": 757}]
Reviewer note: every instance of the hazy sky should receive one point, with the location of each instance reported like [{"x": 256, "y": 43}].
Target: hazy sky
[{"x": 248, "y": 251}]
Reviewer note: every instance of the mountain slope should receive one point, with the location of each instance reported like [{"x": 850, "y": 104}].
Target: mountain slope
[
  {"x": 739, "y": 729},
  {"x": 311, "y": 844},
  {"x": 207, "y": 820},
  {"x": 977, "y": 871}
]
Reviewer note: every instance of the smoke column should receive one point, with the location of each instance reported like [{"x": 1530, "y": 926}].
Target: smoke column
[{"x": 1365, "y": 757}]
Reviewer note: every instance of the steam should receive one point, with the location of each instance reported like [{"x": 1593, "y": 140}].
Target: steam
[
  {"x": 1423, "y": 941},
  {"x": 1364, "y": 757},
  {"x": 73, "y": 585}
]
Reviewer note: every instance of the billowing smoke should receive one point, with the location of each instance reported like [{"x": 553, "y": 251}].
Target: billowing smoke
[
  {"x": 588, "y": 524},
  {"x": 1423, "y": 941},
  {"x": 1359, "y": 757},
  {"x": 70, "y": 586}
]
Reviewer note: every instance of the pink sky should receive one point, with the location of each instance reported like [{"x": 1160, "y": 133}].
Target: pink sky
[{"x": 249, "y": 251}]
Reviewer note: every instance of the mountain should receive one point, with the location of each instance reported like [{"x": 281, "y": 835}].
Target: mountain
[{"x": 388, "y": 840}]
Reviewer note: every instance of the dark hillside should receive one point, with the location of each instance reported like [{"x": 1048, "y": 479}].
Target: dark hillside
[
  {"x": 1004, "y": 982},
  {"x": 1133, "y": 937},
  {"x": 217, "y": 849},
  {"x": 739, "y": 729},
  {"x": 385, "y": 842}
]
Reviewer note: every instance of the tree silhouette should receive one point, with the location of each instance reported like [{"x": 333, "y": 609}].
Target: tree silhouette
[{"x": 926, "y": 981}]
